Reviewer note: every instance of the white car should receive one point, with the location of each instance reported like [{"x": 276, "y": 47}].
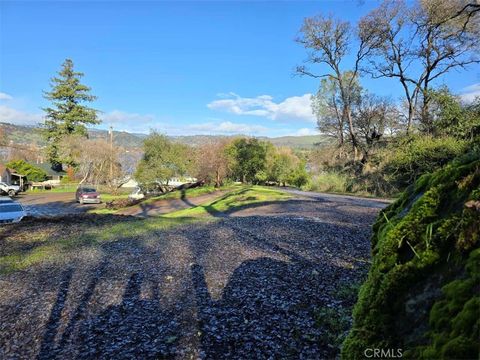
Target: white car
[
  {"x": 11, "y": 190},
  {"x": 11, "y": 212}
]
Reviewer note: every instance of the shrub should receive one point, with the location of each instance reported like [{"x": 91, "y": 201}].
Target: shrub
[
  {"x": 33, "y": 173},
  {"x": 409, "y": 158},
  {"x": 328, "y": 182}
]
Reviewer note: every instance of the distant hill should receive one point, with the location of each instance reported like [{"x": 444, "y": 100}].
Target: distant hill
[
  {"x": 301, "y": 142},
  {"x": 20, "y": 134}
]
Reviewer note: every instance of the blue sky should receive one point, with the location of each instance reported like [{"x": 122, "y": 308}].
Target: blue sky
[{"x": 219, "y": 67}]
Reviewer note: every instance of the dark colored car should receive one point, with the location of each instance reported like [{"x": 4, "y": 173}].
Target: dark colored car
[{"x": 87, "y": 195}]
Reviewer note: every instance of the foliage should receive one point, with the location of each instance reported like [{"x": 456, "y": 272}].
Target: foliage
[
  {"x": 335, "y": 322},
  {"x": 162, "y": 160},
  {"x": 426, "y": 241},
  {"x": 327, "y": 182},
  {"x": 212, "y": 163},
  {"x": 32, "y": 172},
  {"x": 410, "y": 157},
  {"x": 299, "y": 176},
  {"x": 249, "y": 157},
  {"x": 452, "y": 118},
  {"x": 67, "y": 115}
]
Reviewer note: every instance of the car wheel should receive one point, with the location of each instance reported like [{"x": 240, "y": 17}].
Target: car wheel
[{"x": 11, "y": 193}]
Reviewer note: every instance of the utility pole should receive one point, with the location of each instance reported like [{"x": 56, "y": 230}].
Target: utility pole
[{"x": 111, "y": 153}]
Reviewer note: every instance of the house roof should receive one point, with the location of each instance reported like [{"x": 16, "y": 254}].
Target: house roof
[
  {"x": 11, "y": 171},
  {"x": 47, "y": 167}
]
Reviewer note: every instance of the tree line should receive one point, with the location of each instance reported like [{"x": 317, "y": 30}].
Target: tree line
[
  {"x": 413, "y": 44},
  {"x": 247, "y": 160}
]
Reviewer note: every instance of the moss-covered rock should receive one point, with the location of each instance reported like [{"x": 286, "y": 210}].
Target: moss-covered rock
[{"x": 422, "y": 291}]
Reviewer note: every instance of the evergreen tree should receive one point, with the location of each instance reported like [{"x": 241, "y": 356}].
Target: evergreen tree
[{"x": 67, "y": 115}]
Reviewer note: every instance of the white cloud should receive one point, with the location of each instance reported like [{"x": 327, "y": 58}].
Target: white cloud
[
  {"x": 143, "y": 123},
  {"x": 294, "y": 108},
  {"x": 5, "y": 96},
  {"x": 225, "y": 128},
  {"x": 306, "y": 131},
  {"x": 469, "y": 93},
  {"x": 125, "y": 121},
  {"x": 18, "y": 117}
]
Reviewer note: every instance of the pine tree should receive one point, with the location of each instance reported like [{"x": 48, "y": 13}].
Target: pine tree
[{"x": 68, "y": 115}]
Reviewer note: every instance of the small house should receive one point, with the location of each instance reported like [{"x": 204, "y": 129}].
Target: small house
[
  {"x": 11, "y": 177},
  {"x": 53, "y": 176}
]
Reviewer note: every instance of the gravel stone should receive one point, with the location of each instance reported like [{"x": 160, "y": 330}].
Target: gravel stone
[{"x": 244, "y": 286}]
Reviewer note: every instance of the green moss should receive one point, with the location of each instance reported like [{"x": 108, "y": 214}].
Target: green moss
[
  {"x": 420, "y": 291},
  {"x": 460, "y": 348}
]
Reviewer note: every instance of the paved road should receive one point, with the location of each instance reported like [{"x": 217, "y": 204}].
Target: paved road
[
  {"x": 52, "y": 204},
  {"x": 246, "y": 286}
]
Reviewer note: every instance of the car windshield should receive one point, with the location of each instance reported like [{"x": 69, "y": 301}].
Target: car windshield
[
  {"x": 10, "y": 208},
  {"x": 88, "y": 190}
]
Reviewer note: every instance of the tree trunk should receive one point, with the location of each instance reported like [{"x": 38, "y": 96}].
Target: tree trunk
[{"x": 217, "y": 176}]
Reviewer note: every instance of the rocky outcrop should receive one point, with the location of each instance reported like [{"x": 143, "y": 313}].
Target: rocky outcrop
[{"x": 421, "y": 297}]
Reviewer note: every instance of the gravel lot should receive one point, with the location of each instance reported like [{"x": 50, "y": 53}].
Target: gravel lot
[{"x": 245, "y": 286}]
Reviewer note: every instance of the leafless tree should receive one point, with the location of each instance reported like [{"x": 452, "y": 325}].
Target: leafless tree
[
  {"x": 212, "y": 161},
  {"x": 97, "y": 162},
  {"x": 419, "y": 44},
  {"x": 328, "y": 107},
  {"x": 373, "y": 117},
  {"x": 328, "y": 41}
]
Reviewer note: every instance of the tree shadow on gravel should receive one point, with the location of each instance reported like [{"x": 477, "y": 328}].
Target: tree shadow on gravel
[
  {"x": 137, "y": 327},
  {"x": 51, "y": 328},
  {"x": 267, "y": 310},
  {"x": 268, "y": 307},
  {"x": 295, "y": 205}
]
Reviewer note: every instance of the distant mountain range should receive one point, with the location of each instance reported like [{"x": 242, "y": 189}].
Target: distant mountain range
[{"x": 20, "y": 134}]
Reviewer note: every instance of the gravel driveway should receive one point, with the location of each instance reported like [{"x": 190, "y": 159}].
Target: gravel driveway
[{"x": 245, "y": 286}]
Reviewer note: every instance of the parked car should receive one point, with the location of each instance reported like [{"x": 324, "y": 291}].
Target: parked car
[
  {"x": 11, "y": 212},
  {"x": 10, "y": 190},
  {"x": 87, "y": 195}
]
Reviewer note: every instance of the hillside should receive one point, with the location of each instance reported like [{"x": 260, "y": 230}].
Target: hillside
[{"x": 19, "y": 134}]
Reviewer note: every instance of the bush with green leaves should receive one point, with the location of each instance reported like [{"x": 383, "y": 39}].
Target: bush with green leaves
[
  {"x": 162, "y": 160},
  {"x": 410, "y": 157},
  {"x": 453, "y": 118},
  {"x": 327, "y": 181},
  {"x": 32, "y": 172},
  {"x": 249, "y": 159}
]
